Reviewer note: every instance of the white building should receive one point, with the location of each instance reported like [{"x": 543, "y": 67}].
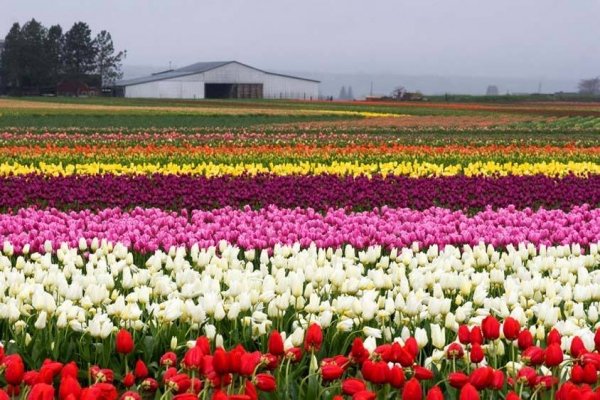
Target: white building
[{"x": 219, "y": 80}]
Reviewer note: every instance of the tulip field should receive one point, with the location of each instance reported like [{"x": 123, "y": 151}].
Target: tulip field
[{"x": 299, "y": 250}]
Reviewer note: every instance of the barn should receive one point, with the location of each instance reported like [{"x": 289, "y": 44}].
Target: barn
[{"x": 218, "y": 80}]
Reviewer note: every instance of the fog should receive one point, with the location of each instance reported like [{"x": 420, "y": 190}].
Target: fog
[{"x": 441, "y": 45}]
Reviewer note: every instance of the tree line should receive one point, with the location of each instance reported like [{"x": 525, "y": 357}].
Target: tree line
[{"x": 35, "y": 58}]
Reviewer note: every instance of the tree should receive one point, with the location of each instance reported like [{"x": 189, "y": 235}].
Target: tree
[
  {"x": 79, "y": 52},
  {"x": 343, "y": 94},
  {"x": 32, "y": 63},
  {"x": 53, "y": 56},
  {"x": 492, "y": 90},
  {"x": 398, "y": 93},
  {"x": 10, "y": 61},
  {"x": 108, "y": 63},
  {"x": 590, "y": 86},
  {"x": 349, "y": 94}
]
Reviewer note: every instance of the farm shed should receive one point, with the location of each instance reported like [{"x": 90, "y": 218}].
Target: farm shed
[{"x": 219, "y": 80}]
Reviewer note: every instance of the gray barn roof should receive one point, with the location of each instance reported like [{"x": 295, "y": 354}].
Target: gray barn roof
[{"x": 192, "y": 69}]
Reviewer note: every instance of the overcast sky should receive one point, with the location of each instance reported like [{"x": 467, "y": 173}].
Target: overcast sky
[{"x": 543, "y": 39}]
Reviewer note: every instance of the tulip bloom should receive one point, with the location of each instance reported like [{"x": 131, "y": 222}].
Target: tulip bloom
[
  {"x": 314, "y": 338},
  {"x": 331, "y": 372},
  {"x": 124, "y": 342},
  {"x": 490, "y": 328},
  {"x": 412, "y": 390},
  {"x": 265, "y": 382},
  {"x": 41, "y": 391},
  {"x": 275, "y": 344},
  {"x": 554, "y": 355},
  {"x": 351, "y": 386},
  {"x": 511, "y": 328},
  {"x": 468, "y": 392}
]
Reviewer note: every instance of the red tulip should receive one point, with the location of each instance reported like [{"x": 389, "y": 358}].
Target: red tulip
[
  {"x": 129, "y": 395},
  {"x": 168, "y": 359},
  {"x": 527, "y": 375},
  {"x": 249, "y": 362},
  {"x": 220, "y": 361},
  {"x": 412, "y": 346},
  {"x": 124, "y": 342},
  {"x": 375, "y": 371},
  {"x": 314, "y": 338},
  {"x": 179, "y": 383},
  {"x": 30, "y": 378},
  {"x": 435, "y": 393},
  {"x": 265, "y": 382},
  {"x": 14, "y": 369},
  {"x": 204, "y": 344},
  {"x": 490, "y": 328},
  {"x": 41, "y": 391},
  {"x": 422, "y": 373},
  {"x": 269, "y": 360},
  {"x": 476, "y": 335},
  {"x": 149, "y": 385},
  {"x": 128, "y": 380},
  {"x": 553, "y": 337},
  {"x": 468, "y": 392},
  {"x": 294, "y": 354},
  {"x": 597, "y": 339},
  {"x": 577, "y": 374},
  {"x": 351, "y": 386},
  {"x": 554, "y": 355},
  {"x": 525, "y": 339},
  {"x": 235, "y": 358},
  {"x": 238, "y": 397},
  {"x": 193, "y": 358},
  {"x": 396, "y": 377},
  {"x": 250, "y": 390},
  {"x": 590, "y": 375},
  {"x": 454, "y": 351},
  {"x": 358, "y": 353},
  {"x": 69, "y": 369},
  {"x": 511, "y": 328},
  {"x": 512, "y": 396},
  {"x": 331, "y": 372},
  {"x": 497, "y": 380},
  {"x": 464, "y": 334},
  {"x": 4, "y": 395},
  {"x": 476, "y": 354},
  {"x": 577, "y": 347},
  {"x": 482, "y": 377},
  {"x": 533, "y": 355},
  {"x": 275, "y": 344},
  {"x": 140, "y": 370},
  {"x": 218, "y": 395},
  {"x": 412, "y": 390},
  {"x": 69, "y": 386},
  {"x": 457, "y": 379},
  {"x": 364, "y": 395}
]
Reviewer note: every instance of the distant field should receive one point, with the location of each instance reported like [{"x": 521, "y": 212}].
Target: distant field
[{"x": 41, "y": 114}]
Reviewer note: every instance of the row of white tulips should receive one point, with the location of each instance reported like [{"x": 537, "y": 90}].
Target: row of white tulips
[{"x": 386, "y": 294}]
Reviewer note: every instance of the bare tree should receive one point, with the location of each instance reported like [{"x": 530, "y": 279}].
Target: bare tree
[
  {"x": 398, "y": 93},
  {"x": 589, "y": 86}
]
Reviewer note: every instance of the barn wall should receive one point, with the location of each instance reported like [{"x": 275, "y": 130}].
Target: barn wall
[
  {"x": 276, "y": 87},
  {"x": 192, "y": 86},
  {"x": 167, "y": 89}
]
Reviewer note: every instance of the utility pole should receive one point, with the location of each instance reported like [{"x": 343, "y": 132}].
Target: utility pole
[{"x": 371, "y": 92}]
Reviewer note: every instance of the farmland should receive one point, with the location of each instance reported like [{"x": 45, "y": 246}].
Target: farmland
[{"x": 165, "y": 249}]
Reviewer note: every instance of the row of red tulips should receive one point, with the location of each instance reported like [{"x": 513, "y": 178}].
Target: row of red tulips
[{"x": 470, "y": 368}]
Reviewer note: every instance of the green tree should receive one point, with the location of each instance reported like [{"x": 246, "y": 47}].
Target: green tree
[
  {"x": 32, "y": 61},
  {"x": 108, "y": 63},
  {"x": 53, "y": 54},
  {"x": 79, "y": 52},
  {"x": 10, "y": 61}
]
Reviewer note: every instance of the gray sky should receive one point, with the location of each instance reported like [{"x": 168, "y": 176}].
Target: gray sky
[{"x": 540, "y": 39}]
